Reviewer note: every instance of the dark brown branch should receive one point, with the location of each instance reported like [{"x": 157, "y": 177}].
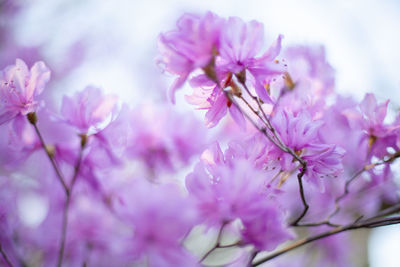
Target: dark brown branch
[
  {"x": 367, "y": 167},
  {"x": 386, "y": 212},
  {"x": 217, "y": 242},
  {"x": 358, "y": 225},
  {"x": 303, "y": 198}
]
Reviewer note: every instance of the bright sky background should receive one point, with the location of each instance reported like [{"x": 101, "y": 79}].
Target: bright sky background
[{"x": 362, "y": 40}]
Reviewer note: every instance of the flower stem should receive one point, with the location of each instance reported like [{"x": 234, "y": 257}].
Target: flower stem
[
  {"x": 6, "y": 259},
  {"x": 68, "y": 202},
  {"x": 32, "y": 118}
]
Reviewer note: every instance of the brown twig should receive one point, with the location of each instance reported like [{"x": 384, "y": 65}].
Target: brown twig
[
  {"x": 303, "y": 198},
  {"x": 279, "y": 143},
  {"x": 357, "y": 225},
  {"x": 68, "y": 202},
  {"x": 217, "y": 242},
  {"x": 32, "y": 118},
  {"x": 367, "y": 167}
]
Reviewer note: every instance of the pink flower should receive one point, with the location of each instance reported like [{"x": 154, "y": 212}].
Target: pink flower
[
  {"x": 20, "y": 87},
  {"x": 309, "y": 69},
  {"x": 225, "y": 191},
  {"x": 240, "y": 44},
  {"x": 373, "y": 116},
  {"x": 339, "y": 129},
  {"x": 162, "y": 139},
  {"x": 265, "y": 229},
  {"x": 222, "y": 48},
  {"x": 189, "y": 47},
  {"x": 213, "y": 100},
  {"x": 160, "y": 217},
  {"x": 308, "y": 80},
  {"x": 88, "y": 110},
  {"x": 300, "y": 133},
  {"x": 377, "y": 136}
]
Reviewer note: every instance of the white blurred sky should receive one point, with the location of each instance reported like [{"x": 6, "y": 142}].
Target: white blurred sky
[
  {"x": 362, "y": 40},
  {"x": 361, "y": 36}
]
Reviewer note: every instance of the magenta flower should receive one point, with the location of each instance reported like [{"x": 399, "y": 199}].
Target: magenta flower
[
  {"x": 300, "y": 133},
  {"x": 378, "y": 135},
  {"x": 367, "y": 120},
  {"x": 94, "y": 231},
  {"x": 222, "y": 48},
  {"x": 168, "y": 143},
  {"x": 88, "y": 110},
  {"x": 308, "y": 80},
  {"x": 240, "y": 44},
  {"x": 215, "y": 102},
  {"x": 20, "y": 87},
  {"x": 255, "y": 149},
  {"x": 373, "y": 116},
  {"x": 309, "y": 69},
  {"x": 225, "y": 191},
  {"x": 189, "y": 47},
  {"x": 161, "y": 218},
  {"x": 341, "y": 127},
  {"x": 265, "y": 230}
]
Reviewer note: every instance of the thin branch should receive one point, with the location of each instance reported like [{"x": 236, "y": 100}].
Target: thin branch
[
  {"x": 367, "y": 167},
  {"x": 280, "y": 144},
  {"x": 303, "y": 199},
  {"x": 63, "y": 231},
  {"x": 68, "y": 202},
  {"x": 261, "y": 129},
  {"x": 386, "y": 212},
  {"x": 217, "y": 242},
  {"x": 353, "y": 226},
  {"x": 266, "y": 119},
  {"x": 254, "y": 254},
  {"x": 6, "y": 259},
  {"x": 209, "y": 70},
  {"x": 327, "y": 223},
  {"x": 32, "y": 118}
]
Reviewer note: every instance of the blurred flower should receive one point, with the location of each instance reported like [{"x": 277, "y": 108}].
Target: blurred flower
[
  {"x": 225, "y": 191},
  {"x": 88, "y": 110},
  {"x": 189, "y": 47},
  {"x": 161, "y": 217}
]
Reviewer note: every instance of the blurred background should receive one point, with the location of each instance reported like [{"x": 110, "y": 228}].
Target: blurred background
[{"x": 113, "y": 44}]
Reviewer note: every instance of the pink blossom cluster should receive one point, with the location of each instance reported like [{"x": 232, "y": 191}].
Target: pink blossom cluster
[{"x": 113, "y": 185}]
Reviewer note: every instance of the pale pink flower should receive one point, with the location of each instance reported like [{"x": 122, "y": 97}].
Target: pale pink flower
[
  {"x": 20, "y": 87},
  {"x": 88, "y": 110},
  {"x": 189, "y": 47},
  {"x": 226, "y": 190}
]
